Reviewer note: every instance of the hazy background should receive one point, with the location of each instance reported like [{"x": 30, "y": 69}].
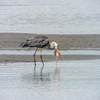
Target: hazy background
[{"x": 50, "y": 16}]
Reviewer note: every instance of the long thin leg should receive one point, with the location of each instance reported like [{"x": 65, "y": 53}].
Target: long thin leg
[
  {"x": 34, "y": 58},
  {"x": 41, "y": 56}
]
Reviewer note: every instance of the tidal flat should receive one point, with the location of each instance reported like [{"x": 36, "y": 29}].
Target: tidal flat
[{"x": 74, "y": 79}]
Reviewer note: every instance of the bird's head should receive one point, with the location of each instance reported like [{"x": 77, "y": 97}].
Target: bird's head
[{"x": 55, "y": 46}]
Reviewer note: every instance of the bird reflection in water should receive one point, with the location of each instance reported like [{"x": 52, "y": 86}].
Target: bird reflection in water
[
  {"x": 57, "y": 74},
  {"x": 47, "y": 76},
  {"x": 42, "y": 76},
  {"x": 41, "y": 71}
]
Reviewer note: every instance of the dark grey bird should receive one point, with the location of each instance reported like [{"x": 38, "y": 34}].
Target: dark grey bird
[{"x": 41, "y": 42}]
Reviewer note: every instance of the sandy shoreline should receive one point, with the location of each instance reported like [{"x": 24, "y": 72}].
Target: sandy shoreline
[
  {"x": 46, "y": 58},
  {"x": 66, "y": 42}
]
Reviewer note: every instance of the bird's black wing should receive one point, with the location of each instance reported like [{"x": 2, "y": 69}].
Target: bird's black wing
[
  {"x": 40, "y": 42},
  {"x": 26, "y": 43}
]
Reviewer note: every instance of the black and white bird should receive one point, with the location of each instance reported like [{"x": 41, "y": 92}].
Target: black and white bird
[{"x": 41, "y": 42}]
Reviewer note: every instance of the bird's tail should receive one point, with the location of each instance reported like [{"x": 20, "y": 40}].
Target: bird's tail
[
  {"x": 26, "y": 43},
  {"x": 22, "y": 44}
]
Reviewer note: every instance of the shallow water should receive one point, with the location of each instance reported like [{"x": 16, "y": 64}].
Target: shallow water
[
  {"x": 50, "y": 52},
  {"x": 50, "y": 16},
  {"x": 72, "y": 80}
]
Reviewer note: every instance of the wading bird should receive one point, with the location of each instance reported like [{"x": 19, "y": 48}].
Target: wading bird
[{"x": 41, "y": 42}]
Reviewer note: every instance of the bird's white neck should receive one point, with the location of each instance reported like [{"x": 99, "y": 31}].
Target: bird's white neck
[{"x": 53, "y": 45}]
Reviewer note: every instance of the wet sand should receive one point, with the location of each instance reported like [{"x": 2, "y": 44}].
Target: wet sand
[
  {"x": 12, "y": 40},
  {"x": 66, "y": 42},
  {"x": 46, "y": 58}
]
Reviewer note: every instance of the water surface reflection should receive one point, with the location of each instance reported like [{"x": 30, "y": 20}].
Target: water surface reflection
[
  {"x": 50, "y": 52},
  {"x": 72, "y": 80},
  {"x": 42, "y": 76}
]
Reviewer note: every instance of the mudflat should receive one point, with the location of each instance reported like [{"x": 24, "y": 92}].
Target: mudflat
[
  {"x": 66, "y": 42},
  {"x": 12, "y": 40}
]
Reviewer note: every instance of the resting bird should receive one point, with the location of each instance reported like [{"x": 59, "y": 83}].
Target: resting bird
[{"x": 41, "y": 42}]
